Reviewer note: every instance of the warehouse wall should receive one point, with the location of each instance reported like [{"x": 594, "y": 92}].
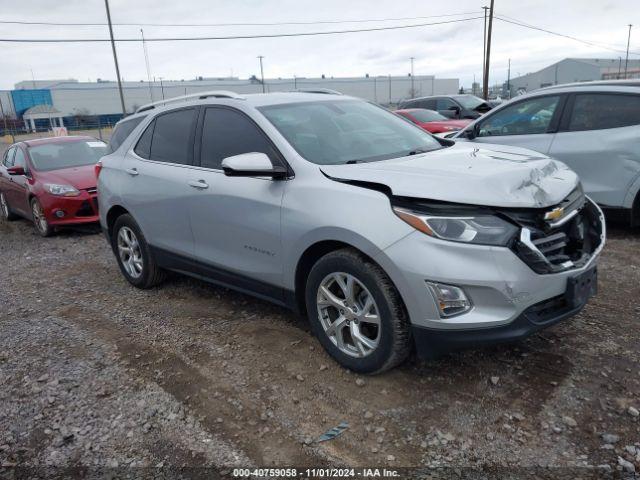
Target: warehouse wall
[{"x": 103, "y": 98}]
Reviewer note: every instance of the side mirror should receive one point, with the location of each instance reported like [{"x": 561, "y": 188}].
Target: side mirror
[
  {"x": 252, "y": 164},
  {"x": 15, "y": 171}
]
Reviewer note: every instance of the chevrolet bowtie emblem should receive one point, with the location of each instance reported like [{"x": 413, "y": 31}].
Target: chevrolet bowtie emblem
[{"x": 554, "y": 214}]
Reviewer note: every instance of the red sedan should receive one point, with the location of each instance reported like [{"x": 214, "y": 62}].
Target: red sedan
[
  {"x": 51, "y": 181},
  {"x": 432, "y": 121}
]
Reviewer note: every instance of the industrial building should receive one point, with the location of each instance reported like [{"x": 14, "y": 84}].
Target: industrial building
[
  {"x": 100, "y": 101},
  {"x": 572, "y": 70}
]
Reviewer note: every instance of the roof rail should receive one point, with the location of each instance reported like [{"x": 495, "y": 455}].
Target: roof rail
[
  {"x": 326, "y": 91},
  {"x": 193, "y": 96}
]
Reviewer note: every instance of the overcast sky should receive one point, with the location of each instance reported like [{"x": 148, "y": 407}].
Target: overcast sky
[{"x": 450, "y": 50}]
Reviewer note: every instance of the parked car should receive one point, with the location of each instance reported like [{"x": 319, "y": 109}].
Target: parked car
[
  {"x": 450, "y": 106},
  {"x": 51, "y": 181},
  {"x": 384, "y": 236},
  {"x": 593, "y": 127},
  {"x": 432, "y": 121}
]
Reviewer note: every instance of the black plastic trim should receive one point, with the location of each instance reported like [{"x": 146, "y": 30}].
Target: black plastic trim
[
  {"x": 431, "y": 343},
  {"x": 218, "y": 276}
]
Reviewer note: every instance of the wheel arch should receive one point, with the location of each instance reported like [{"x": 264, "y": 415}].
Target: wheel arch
[
  {"x": 308, "y": 259},
  {"x": 112, "y": 215}
]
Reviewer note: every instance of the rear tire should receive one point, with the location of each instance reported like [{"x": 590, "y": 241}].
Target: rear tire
[
  {"x": 133, "y": 254},
  {"x": 5, "y": 209},
  {"x": 40, "y": 222},
  {"x": 373, "y": 325}
]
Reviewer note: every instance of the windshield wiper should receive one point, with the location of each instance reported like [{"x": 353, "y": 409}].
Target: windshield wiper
[
  {"x": 416, "y": 152},
  {"x": 351, "y": 162}
]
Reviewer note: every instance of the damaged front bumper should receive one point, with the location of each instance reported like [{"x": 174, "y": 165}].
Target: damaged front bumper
[{"x": 515, "y": 290}]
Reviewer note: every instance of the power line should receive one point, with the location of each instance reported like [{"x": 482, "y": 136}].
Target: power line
[
  {"x": 514, "y": 21},
  {"x": 231, "y": 37},
  {"x": 256, "y": 24}
]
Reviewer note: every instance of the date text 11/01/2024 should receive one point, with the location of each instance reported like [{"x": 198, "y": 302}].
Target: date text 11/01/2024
[{"x": 316, "y": 472}]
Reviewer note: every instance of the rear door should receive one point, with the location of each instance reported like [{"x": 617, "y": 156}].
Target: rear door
[
  {"x": 156, "y": 176},
  {"x": 236, "y": 220},
  {"x": 599, "y": 138},
  {"x": 531, "y": 123}
]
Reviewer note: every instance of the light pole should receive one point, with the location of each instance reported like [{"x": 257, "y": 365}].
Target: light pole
[
  {"x": 115, "y": 58},
  {"x": 146, "y": 61},
  {"x": 413, "y": 91},
  {"x": 262, "y": 74},
  {"x": 161, "y": 87},
  {"x": 626, "y": 58},
  {"x": 509, "y": 79}
]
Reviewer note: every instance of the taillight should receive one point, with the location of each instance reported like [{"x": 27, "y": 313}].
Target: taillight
[{"x": 98, "y": 168}]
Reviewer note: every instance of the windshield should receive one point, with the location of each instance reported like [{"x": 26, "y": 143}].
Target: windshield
[
  {"x": 55, "y": 156},
  {"x": 469, "y": 101},
  {"x": 347, "y": 131},
  {"x": 424, "y": 115}
]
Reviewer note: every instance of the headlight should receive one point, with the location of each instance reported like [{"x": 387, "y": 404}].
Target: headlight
[
  {"x": 62, "y": 190},
  {"x": 480, "y": 229}
]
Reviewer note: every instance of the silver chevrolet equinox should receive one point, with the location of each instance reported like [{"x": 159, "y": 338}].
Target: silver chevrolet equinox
[{"x": 385, "y": 237}]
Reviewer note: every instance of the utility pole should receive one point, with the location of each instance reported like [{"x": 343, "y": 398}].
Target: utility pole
[
  {"x": 484, "y": 42},
  {"x": 626, "y": 58},
  {"x": 485, "y": 82},
  {"x": 389, "y": 89},
  {"x": 413, "y": 91},
  {"x": 146, "y": 61},
  {"x": 161, "y": 87},
  {"x": 509, "y": 79},
  {"x": 115, "y": 59},
  {"x": 4, "y": 118},
  {"x": 262, "y": 74}
]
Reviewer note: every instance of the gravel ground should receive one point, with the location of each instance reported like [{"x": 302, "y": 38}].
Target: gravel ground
[{"x": 95, "y": 373}]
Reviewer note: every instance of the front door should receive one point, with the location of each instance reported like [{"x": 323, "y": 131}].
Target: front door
[
  {"x": 236, "y": 220},
  {"x": 16, "y": 191}
]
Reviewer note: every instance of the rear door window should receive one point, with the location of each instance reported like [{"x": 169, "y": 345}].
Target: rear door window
[
  {"x": 172, "y": 139},
  {"x": 122, "y": 131},
  {"x": 598, "y": 111},
  {"x": 227, "y": 132},
  {"x": 445, "y": 104},
  {"x": 19, "y": 160}
]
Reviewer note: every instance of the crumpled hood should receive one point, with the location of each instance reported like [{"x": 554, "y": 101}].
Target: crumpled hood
[
  {"x": 489, "y": 175},
  {"x": 79, "y": 177}
]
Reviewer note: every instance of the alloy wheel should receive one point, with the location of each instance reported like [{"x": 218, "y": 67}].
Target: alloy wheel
[
  {"x": 348, "y": 314},
  {"x": 129, "y": 252},
  {"x": 39, "y": 218}
]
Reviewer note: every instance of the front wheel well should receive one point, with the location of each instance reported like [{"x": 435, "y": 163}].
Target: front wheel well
[
  {"x": 635, "y": 211},
  {"x": 113, "y": 214},
  {"x": 308, "y": 259}
]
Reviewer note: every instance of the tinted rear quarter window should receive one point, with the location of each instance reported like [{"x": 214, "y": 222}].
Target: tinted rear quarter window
[
  {"x": 143, "y": 148},
  {"x": 599, "y": 111},
  {"x": 226, "y": 133},
  {"x": 122, "y": 131},
  {"x": 172, "y": 139}
]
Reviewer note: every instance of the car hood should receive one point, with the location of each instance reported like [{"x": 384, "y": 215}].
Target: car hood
[
  {"x": 488, "y": 175},
  {"x": 79, "y": 177}
]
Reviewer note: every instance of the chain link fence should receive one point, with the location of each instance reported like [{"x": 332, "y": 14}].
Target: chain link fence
[{"x": 13, "y": 131}]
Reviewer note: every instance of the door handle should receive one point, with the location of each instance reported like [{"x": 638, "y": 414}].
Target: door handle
[
  {"x": 201, "y": 184},
  {"x": 133, "y": 171}
]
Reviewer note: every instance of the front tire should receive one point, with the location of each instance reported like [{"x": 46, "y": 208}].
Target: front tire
[
  {"x": 134, "y": 256},
  {"x": 40, "y": 220},
  {"x": 5, "y": 209},
  {"x": 357, "y": 313}
]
